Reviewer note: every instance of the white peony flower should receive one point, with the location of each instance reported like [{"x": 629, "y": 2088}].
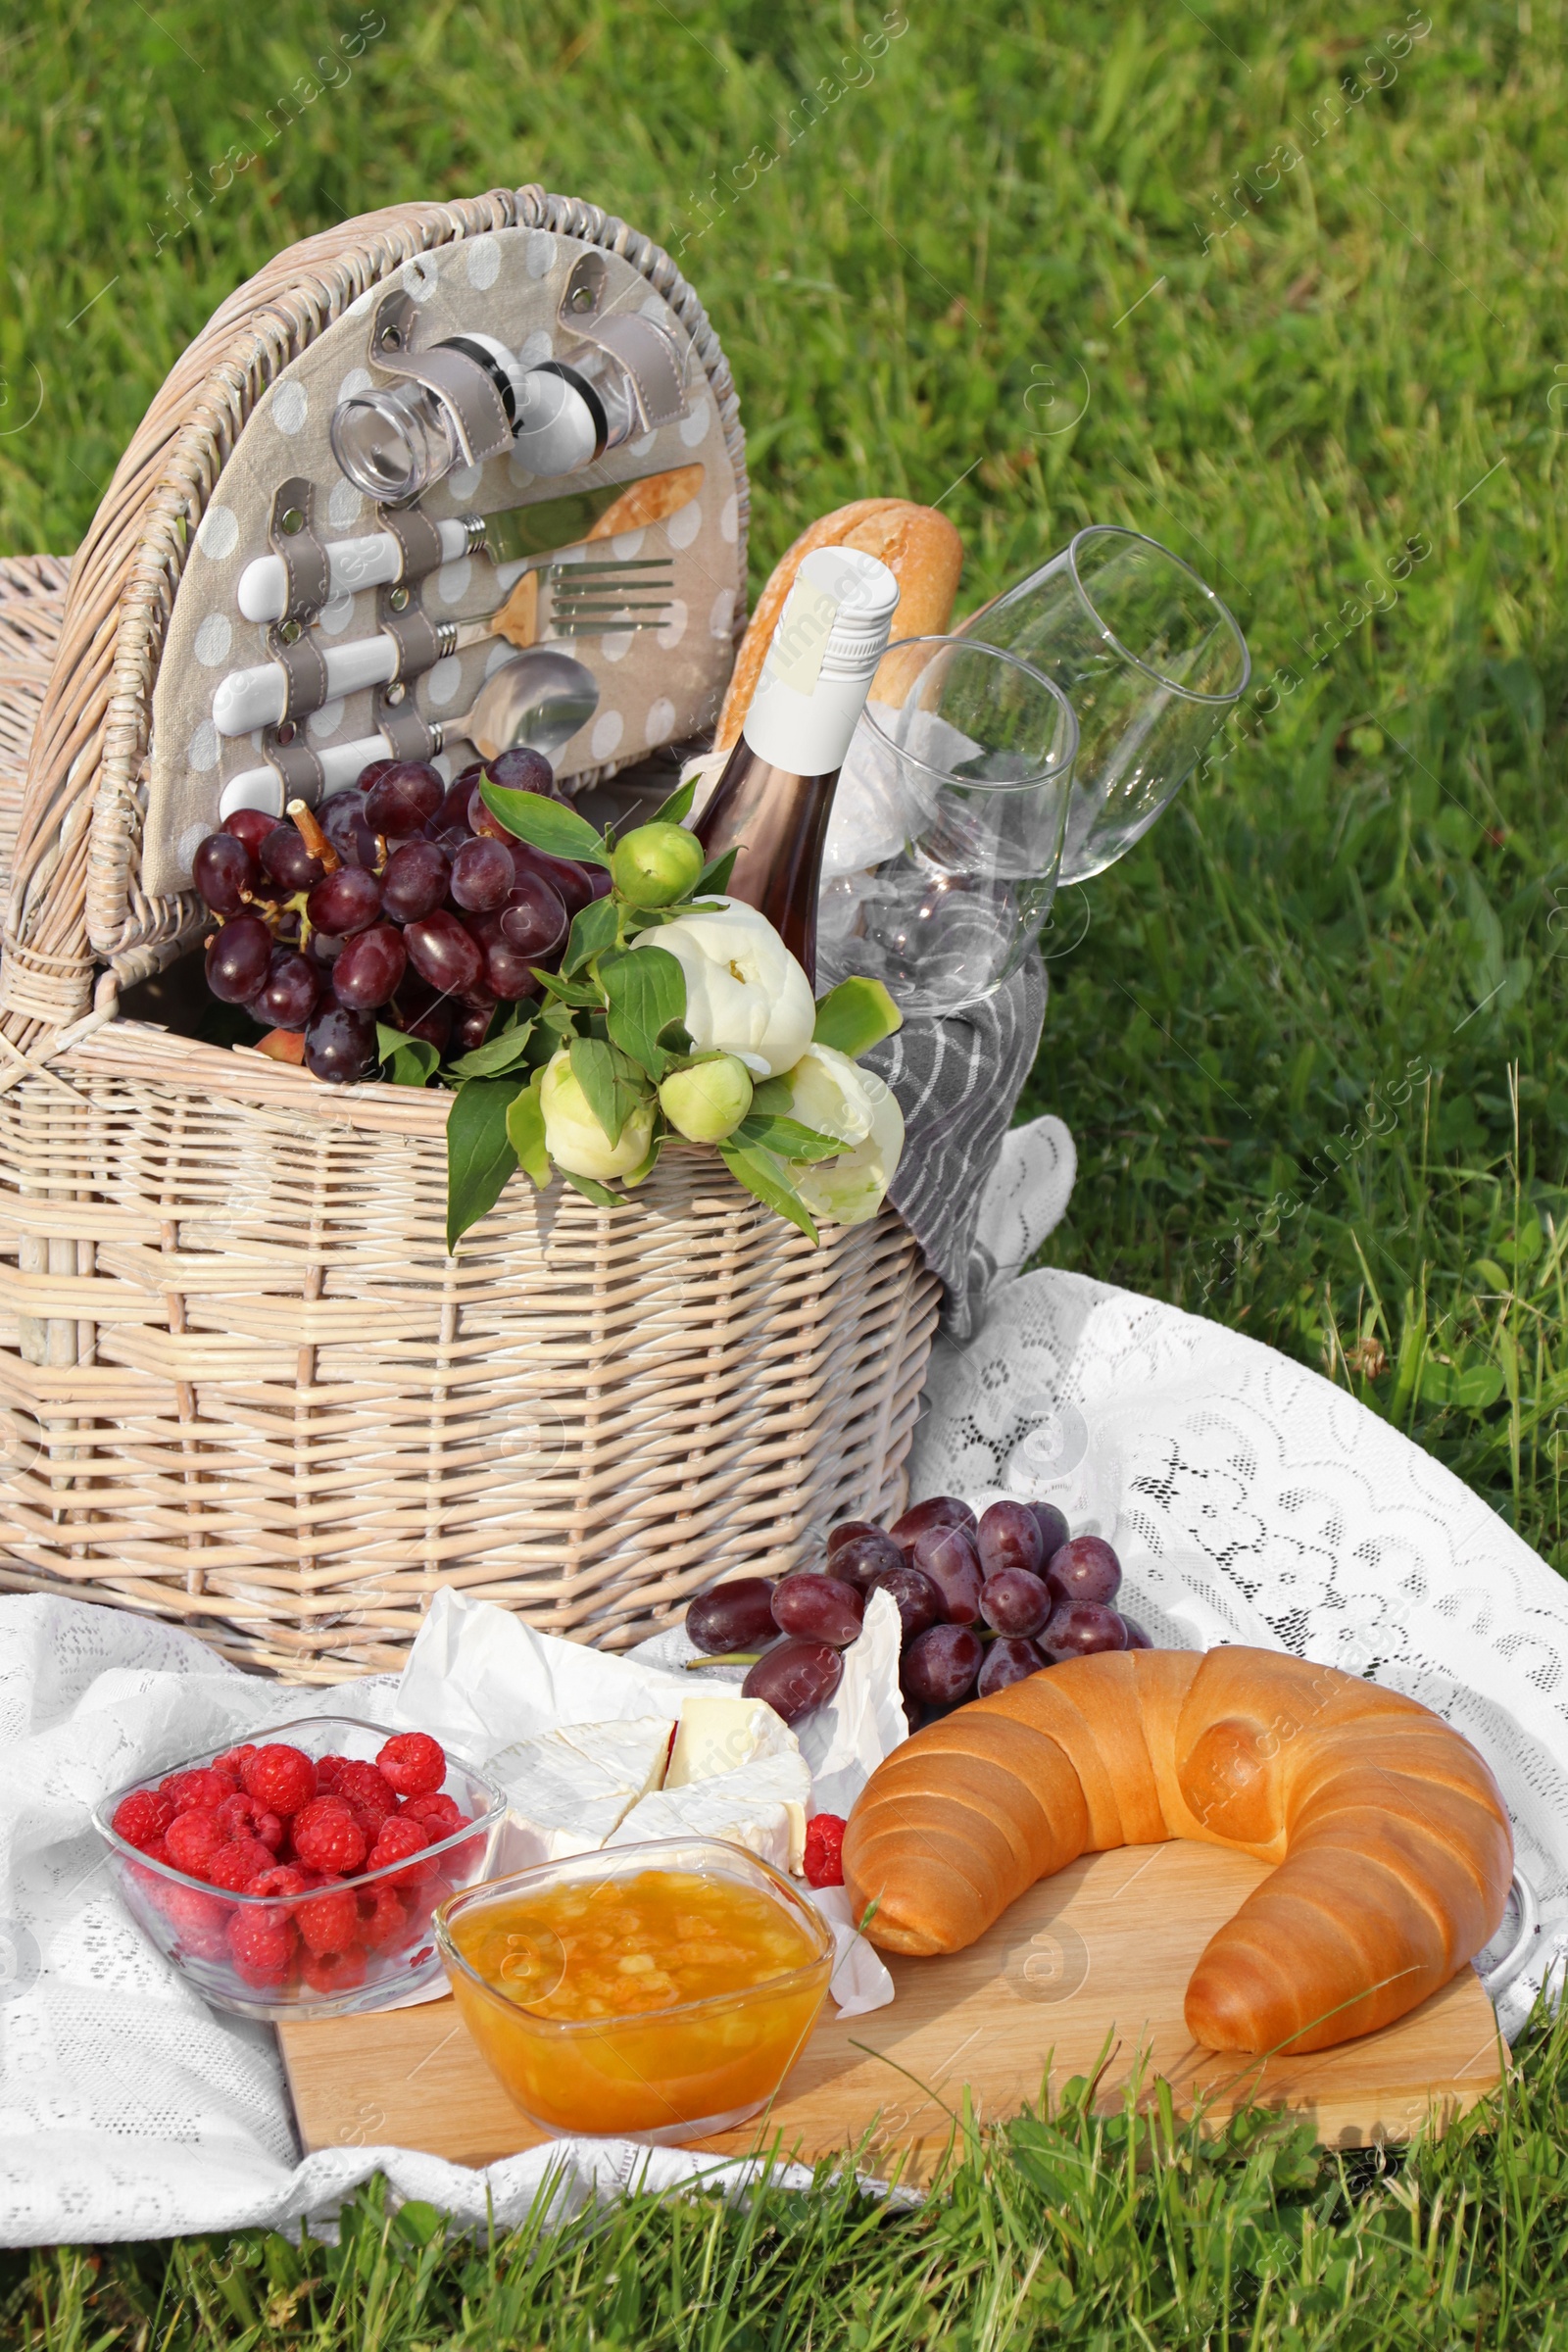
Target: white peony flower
[
  {"x": 848, "y": 1190},
  {"x": 573, "y": 1137},
  {"x": 745, "y": 992},
  {"x": 828, "y": 1092}
]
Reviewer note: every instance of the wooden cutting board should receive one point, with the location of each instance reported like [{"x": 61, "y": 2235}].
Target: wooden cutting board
[{"x": 1094, "y": 1958}]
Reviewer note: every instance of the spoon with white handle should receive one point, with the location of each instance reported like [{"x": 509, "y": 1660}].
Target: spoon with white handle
[{"x": 536, "y": 702}]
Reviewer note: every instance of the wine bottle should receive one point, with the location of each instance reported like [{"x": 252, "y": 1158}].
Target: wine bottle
[{"x": 774, "y": 798}]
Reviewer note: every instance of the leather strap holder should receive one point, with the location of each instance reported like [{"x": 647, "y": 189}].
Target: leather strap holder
[
  {"x": 291, "y": 530},
  {"x": 420, "y": 641},
  {"x": 419, "y": 540},
  {"x": 304, "y": 669},
  {"x": 655, "y": 379},
  {"x": 465, "y": 390},
  {"x": 646, "y": 356},
  {"x": 411, "y": 736},
  {"x": 286, "y": 748}
]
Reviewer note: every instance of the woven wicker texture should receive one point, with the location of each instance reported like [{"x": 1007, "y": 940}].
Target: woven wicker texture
[
  {"x": 33, "y": 606},
  {"x": 242, "y": 1384},
  {"x": 246, "y": 1387}
]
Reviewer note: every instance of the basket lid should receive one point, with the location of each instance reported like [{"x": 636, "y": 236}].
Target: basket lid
[{"x": 155, "y": 625}]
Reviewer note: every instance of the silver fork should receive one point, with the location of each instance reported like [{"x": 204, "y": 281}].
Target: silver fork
[{"x": 582, "y": 598}]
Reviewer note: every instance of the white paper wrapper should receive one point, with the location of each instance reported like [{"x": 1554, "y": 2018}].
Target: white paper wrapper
[
  {"x": 845, "y": 1741},
  {"x": 860, "y": 1980},
  {"x": 478, "y": 1679}
]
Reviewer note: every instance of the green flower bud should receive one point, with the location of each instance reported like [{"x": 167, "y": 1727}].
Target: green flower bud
[
  {"x": 708, "y": 1101},
  {"x": 655, "y": 865}
]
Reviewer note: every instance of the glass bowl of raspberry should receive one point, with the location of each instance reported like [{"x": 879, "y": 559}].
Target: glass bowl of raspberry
[{"x": 296, "y": 1874}]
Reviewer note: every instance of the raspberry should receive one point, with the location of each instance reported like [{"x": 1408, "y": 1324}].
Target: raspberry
[
  {"x": 327, "y": 1837},
  {"x": 268, "y": 1830},
  {"x": 438, "y": 1814},
  {"x": 413, "y": 1763},
  {"x": 369, "y": 1796},
  {"x": 233, "y": 1762},
  {"x": 158, "y": 1851},
  {"x": 382, "y": 1918},
  {"x": 278, "y": 1881},
  {"x": 200, "y": 1920},
  {"x": 261, "y": 1946},
  {"x": 201, "y": 1791},
  {"x": 280, "y": 1779},
  {"x": 233, "y": 1866},
  {"x": 142, "y": 1817},
  {"x": 824, "y": 1851},
  {"x": 192, "y": 1840},
  {"x": 400, "y": 1840},
  {"x": 329, "y": 1922},
  {"x": 328, "y": 1769},
  {"x": 333, "y": 1971}
]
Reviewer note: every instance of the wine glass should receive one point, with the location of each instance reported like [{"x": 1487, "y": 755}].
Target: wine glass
[
  {"x": 945, "y": 834},
  {"x": 1150, "y": 659}
]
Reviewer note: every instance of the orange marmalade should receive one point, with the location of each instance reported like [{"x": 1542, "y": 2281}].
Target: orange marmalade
[{"x": 663, "y": 2002}]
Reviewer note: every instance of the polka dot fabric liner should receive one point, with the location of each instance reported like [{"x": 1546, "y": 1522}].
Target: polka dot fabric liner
[{"x": 655, "y": 685}]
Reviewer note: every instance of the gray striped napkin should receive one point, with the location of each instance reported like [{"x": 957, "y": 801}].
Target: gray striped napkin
[{"x": 957, "y": 1081}]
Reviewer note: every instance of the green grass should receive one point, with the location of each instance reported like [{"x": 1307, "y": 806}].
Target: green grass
[
  {"x": 1311, "y": 1040},
  {"x": 1067, "y": 2229}
]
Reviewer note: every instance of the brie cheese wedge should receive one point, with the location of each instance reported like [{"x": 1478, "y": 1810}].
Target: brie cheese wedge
[
  {"x": 718, "y": 1733},
  {"x": 569, "y": 1791},
  {"x": 762, "y": 1807}
]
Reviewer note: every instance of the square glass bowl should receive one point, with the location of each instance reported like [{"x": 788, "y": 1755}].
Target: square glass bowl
[
  {"x": 385, "y": 1950},
  {"x": 666, "y": 2076}
]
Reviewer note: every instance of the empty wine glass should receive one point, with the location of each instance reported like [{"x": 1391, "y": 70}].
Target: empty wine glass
[
  {"x": 1150, "y": 659},
  {"x": 941, "y": 852}
]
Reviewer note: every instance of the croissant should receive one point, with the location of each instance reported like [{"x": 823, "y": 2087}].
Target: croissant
[{"x": 1392, "y": 1841}]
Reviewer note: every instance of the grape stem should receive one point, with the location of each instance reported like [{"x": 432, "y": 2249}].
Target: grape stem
[
  {"x": 313, "y": 838},
  {"x": 728, "y": 1657}
]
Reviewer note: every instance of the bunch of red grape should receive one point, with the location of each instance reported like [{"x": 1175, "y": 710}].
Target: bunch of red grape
[
  {"x": 402, "y": 899},
  {"x": 982, "y": 1604}
]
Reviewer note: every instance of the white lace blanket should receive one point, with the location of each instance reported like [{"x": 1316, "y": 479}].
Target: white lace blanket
[{"x": 1249, "y": 1501}]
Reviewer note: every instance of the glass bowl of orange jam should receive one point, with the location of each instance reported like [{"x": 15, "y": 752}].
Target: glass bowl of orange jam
[{"x": 656, "y": 1993}]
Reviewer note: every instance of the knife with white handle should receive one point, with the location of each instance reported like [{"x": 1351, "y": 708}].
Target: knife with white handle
[
  {"x": 248, "y": 698},
  {"x": 520, "y": 536}
]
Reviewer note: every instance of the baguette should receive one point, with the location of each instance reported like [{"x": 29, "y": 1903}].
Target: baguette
[
  {"x": 653, "y": 498},
  {"x": 1391, "y": 1841},
  {"x": 921, "y": 548}
]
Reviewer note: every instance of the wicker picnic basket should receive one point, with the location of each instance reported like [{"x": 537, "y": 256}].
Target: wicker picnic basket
[{"x": 244, "y": 1386}]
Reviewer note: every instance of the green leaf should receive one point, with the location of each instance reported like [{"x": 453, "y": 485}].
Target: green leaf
[
  {"x": 786, "y": 1137},
  {"x": 592, "y": 1190},
  {"x": 678, "y": 805},
  {"x": 715, "y": 877},
  {"x": 608, "y": 1082},
  {"x": 1472, "y": 1387},
  {"x": 854, "y": 1017},
  {"x": 645, "y": 991},
  {"x": 480, "y": 1153},
  {"x": 760, "y": 1173},
  {"x": 644, "y": 1166},
  {"x": 569, "y": 992},
  {"x": 525, "y": 1132},
  {"x": 508, "y": 1051},
  {"x": 593, "y": 932},
  {"x": 412, "y": 1061},
  {"x": 545, "y": 824}
]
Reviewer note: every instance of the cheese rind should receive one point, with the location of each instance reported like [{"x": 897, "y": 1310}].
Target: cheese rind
[
  {"x": 569, "y": 1791},
  {"x": 762, "y": 1807}
]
